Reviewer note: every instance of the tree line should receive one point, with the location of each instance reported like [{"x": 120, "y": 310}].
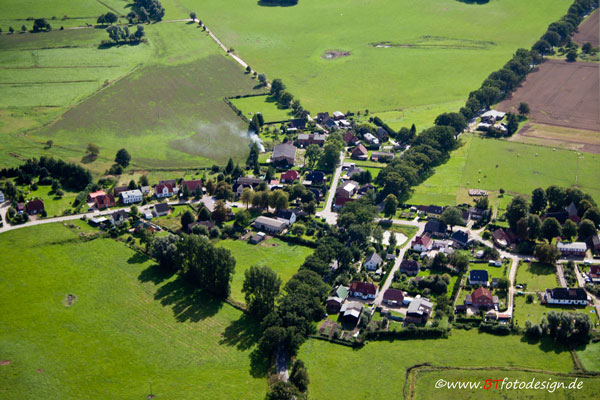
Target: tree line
[{"x": 70, "y": 175}]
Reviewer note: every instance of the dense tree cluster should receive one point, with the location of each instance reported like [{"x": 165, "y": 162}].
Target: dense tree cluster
[
  {"x": 148, "y": 10},
  {"x": 40, "y": 24},
  {"x": 69, "y": 175},
  {"x": 571, "y": 329},
  {"x": 122, "y": 34},
  {"x": 108, "y": 18},
  {"x": 261, "y": 288},
  {"x": 195, "y": 258}
]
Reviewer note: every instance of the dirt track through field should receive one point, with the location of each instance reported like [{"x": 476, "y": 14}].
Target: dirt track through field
[
  {"x": 560, "y": 93},
  {"x": 588, "y": 31}
]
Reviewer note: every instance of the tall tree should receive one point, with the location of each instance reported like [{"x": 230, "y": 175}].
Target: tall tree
[
  {"x": 551, "y": 228},
  {"x": 246, "y": 197},
  {"x": 452, "y": 216},
  {"x": 539, "y": 201},
  {"x": 261, "y": 288},
  {"x": 123, "y": 158},
  {"x": 516, "y": 210},
  {"x": 312, "y": 154},
  {"x": 390, "y": 205}
]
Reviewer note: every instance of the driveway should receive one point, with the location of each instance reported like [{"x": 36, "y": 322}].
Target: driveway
[{"x": 331, "y": 216}]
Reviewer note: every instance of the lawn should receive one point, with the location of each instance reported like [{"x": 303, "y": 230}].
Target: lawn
[
  {"x": 590, "y": 356},
  {"x": 54, "y": 205},
  {"x": 535, "y": 311},
  {"x": 282, "y": 257},
  {"x": 266, "y": 105},
  {"x": 492, "y": 164},
  {"x": 427, "y": 378},
  {"x": 329, "y": 364},
  {"x": 439, "y": 52},
  {"x": 537, "y": 276},
  {"x": 129, "y": 323},
  {"x": 493, "y": 272}
]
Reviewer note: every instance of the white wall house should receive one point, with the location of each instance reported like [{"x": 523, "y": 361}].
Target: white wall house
[{"x": 131, "y": 196}]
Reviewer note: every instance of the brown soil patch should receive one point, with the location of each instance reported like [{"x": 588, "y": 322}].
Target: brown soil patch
[
  {"x": 4, "y": 362},
  {"x": 560, "y": 93},
  {"x": 39, "y": 370},
  {"x": 69, "y": 300},
  {"x": 559, "y": 137},
  {"x": 588, "y": 31},
  {"x": 332, "y": 54}
]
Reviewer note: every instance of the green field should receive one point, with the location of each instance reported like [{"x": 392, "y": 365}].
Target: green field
[
  {"x": 537, "y": 276},
  {"x": 427, "y": 379},
  {"x": 590, "y": 356},
  {"x": 266, "y": 105},
  {"x": 378, "y": 370},
  {"x": 164, "y": 101},
  {"x": 129, "y": 323},
  {"x": 439, "y": 50},
  {"x": 515, "y": 167},
  {"x": 281, "y": 257}
]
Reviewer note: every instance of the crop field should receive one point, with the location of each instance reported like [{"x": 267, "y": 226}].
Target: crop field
[
  {"x": 560, "y": 93},
  {"x": 281, "y": 257},
  {"x": 588, "y": 30},
  {"x": 266, "y": 105},
  {"x": 353, "y": 55},
  {"x": 537, "y": 276},
  {"x": 492, "y": 164},
  {"x": 126, "y": 323},
  {"x": 386, "y": 362},
  {"x": 426, "y": 379}
]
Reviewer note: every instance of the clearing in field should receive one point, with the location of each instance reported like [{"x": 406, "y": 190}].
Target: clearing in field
[
  {"x": 130, "y": 323},
  {"x": 493, "y": 164},
  {"x": 281, "y": 257},
  {"x": 387, "y": 362},
  {"x": 397, "y": 54},
  {"x": 560, "y": 93}
]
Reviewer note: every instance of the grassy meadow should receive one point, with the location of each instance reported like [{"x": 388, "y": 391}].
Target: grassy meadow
[
  {"x": 386, "y": 362},
  {"x": 129, "y": 323},
  {"x": 404, "y": 55},
  {"x": 515, "y": 167},
  {"x": 281, "y": 257},
  {"x": 534, "y": 312}
]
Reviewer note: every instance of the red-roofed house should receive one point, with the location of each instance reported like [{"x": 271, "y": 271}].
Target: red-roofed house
[
  {"x": 359, "y": 152},
  {"x": 104, "y": 201},
  {"x": 422, "y": 243},
  {"x": 34, "y": 207},
  {"x": 350, "y": 138},
  {"x": 481, "y": 298},
  {"x": 191, "y": 185},
  {"x": 92, "y": 196},
  {"x": 163, "y": 190},
  {"x": 393, "y": 297},
  {"x": 365, "y": 290},
  {"x": 289, "y": 176}
]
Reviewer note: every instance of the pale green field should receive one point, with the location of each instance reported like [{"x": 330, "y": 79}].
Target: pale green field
[
  {"x": 515, "y": 167},
  {"x": 266, "y": 105},
  {"x": 441, "y": 50}
]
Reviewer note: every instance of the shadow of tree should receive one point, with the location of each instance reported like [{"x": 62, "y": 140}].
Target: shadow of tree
[
  {"x": 187, "y": 302},
  {"x": 137, "y": 258},
  {"x": 243, "y": 333},
  {"x": 155, "y": 274},
  {"x": 259, "y": 364}
]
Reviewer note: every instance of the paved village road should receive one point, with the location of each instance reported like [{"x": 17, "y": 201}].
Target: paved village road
[{"x": 331, "y": 216}]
